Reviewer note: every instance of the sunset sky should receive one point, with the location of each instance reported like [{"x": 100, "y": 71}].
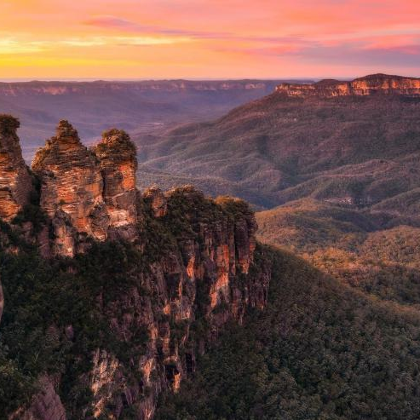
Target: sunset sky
[{"x": 138, "y": 39}]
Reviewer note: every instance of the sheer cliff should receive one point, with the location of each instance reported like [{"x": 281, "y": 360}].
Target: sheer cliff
[
  {"x": 110, "y": 294},
  {"x": 374, "y": 84},
  {"x": 137, "y": 106},
  {"x": 15, "y": 180},
  {"x": 87, "y": 192}
]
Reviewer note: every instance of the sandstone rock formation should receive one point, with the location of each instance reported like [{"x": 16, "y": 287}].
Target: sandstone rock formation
[
  {"x": 1, "y": 301},
  {"x": 15, "y": 179},
  {"x": 199, "y": 280},
  {"x": 118, "y": 162},
  {"x": 195, "y": 276},
  {"x": 364, "y": 86},
  {"x": 190, "y": 260},
  {"x": 45, "y": 405},
  {"x": 72, "y": 186},
  {"x": 87, "y": 193}
]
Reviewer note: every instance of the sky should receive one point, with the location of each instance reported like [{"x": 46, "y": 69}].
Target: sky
[{"x": 208, "y": 39}]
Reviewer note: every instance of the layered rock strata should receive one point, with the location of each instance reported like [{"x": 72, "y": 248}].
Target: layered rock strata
[
  {"x": 71, "y": 189},
  {"x": 364, "y": 86},
  {"x": 157, "y": 200},
  {"x": 118, "y": 163},
  {"x": 15, "y": 179},
  {"x": 87, "y": 193},
  {"x": 198, "y": 284}
]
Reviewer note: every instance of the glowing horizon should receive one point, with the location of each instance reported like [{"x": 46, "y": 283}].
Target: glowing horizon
[{"x": 202, "y": 39}]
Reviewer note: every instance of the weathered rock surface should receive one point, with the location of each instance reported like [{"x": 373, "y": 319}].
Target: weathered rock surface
[
  {"x": 200, "y": 280},
  {"x": 158, "y": 202},
  {"x": 72, "y": 184},
  {"x": 364, "y": 86},
  {"x": 118, "y": 162},
  {"x": 194, "y": 277},
  {"x": 87, "y": 193},
  {"x": 1, "y": 301},
  {"x": 15, "y": 179}
]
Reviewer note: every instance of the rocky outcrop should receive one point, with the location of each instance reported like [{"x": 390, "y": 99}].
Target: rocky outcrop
[
  {"x": 87, "y": 193},
  {"x": 187, "y": 267},
  {"x": 364, "y": 86},
  {"x": 118, "y": 162},
  {"x": 72, "y": 185},
  {"x": 1, "y": 301},
  {"x": 193, "y": 287},
  {"x": 196, "y": 269},
  {"x": 15, "y": 179}
]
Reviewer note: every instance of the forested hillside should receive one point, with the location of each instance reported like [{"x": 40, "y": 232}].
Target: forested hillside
[{"x": 320, "y": 350}]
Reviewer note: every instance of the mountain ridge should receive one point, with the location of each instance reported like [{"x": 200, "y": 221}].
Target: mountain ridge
[
  {"x": 280, "y": 148},
  {"x": 372, "y": 84},
  {"x": 137, "y": 106}
]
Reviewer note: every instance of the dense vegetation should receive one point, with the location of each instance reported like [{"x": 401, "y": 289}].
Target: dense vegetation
[
  {"x": 371, "y": 251},
  {"x": 58, "y": 311},
  {"x": 43, "y": 298},
  {"x": 319, "y": 351}
]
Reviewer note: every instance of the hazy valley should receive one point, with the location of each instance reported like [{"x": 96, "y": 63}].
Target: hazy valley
[
  {"x": 123, "y": 300},
  {"x": 140, "y": 107},
  {"x": 357, "y": 150}
]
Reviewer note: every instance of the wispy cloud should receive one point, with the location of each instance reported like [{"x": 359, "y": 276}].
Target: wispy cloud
[
  {"x": 14, "y": 46},
  {"x": 107, "y": 21},
  {"x": 117, "y": 23},
  {"x": 23, "y": 45}
]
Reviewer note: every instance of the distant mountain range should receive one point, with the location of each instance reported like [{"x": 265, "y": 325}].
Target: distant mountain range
[
  {"x": 351, "y": 143},
  {"x": 138, "y": 107}
]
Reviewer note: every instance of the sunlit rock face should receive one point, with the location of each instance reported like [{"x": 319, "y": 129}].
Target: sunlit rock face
[
  {"x": 364, "y": 86},
  {"x": 72, "y": 182},
  {"x": 202, "y": 274},
  {"x": 116, "y": 154},
  {"x": 15, "y": 179},
  {"x": 87, "y": 193}
]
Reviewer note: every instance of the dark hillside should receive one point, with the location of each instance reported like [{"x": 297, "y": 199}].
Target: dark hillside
[{"x": 319, "y": 351}]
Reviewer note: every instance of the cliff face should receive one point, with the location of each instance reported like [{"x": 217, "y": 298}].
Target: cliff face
[
  {"x": 1, "y": 301},
  {"x": 196, "y": 284},
  {"x": 100, "y": 87},
  {"x": 45, "y": 405},
  {"x": 15, "y": 180},
  {"x": 71, "y": 191},
  {"x": 87, "y": 193},
  {"x": 154, "y": 278},
  {"x": 118, "y": 162},
  {"x": 364, "y": 86}
]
